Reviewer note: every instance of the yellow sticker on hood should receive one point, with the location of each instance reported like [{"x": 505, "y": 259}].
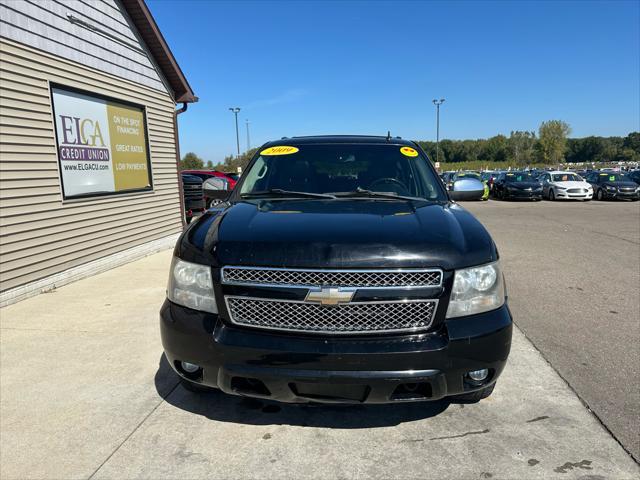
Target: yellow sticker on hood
[
  {"x": 409, "y": 152},
  {"x": 279, "y": 150}
]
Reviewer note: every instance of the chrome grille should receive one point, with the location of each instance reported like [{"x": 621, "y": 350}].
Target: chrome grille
[
  {"x": 576, "y": 190},
  {"x": 365, "y": 317},
  {"x": 341, "y": 278}
]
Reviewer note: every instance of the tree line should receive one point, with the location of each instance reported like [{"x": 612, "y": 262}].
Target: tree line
[{"x": 550, "y": 145}]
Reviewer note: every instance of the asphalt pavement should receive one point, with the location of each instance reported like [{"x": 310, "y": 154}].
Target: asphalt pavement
[{"x": 573, "y": 277}]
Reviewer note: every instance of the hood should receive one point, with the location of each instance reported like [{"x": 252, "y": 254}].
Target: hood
[
  {"x": 621, "y": 183},
  {"x": 338, "y": 234},
  {"x": 571, "y": 184}
]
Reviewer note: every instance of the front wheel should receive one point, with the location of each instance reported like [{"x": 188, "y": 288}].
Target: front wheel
[
  {"x": 552, "y": 196},
  {"x": 600, "y": 195},
  {"x": 474, "y": 397}
]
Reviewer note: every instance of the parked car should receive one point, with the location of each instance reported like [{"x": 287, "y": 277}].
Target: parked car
[
  {"x": 222, "y": 190},
  {"x": 447, "y": 179},
  {"x": 489, "y": 178},
  {"x": 193, "y": 196},
  {"x": 338, "y": 271},
  {"x": 471, "y": 184},
  {"x": 609, "y": 185},
  {"x": 517, "y": 185},
  {"x": 565, "y": 185},
  {"x": 634, "y": 175},
  {"x": 536, "y": 174}
]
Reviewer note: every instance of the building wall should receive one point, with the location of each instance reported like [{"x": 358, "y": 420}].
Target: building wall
[
  {"x": 51, "y": 26},
  {"x": 40, "y": 234}
]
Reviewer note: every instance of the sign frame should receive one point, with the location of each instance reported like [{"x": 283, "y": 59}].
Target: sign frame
[{"x": 58, "y": 86}]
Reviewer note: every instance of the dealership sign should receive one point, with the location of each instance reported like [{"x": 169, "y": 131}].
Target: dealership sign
[{"x": 102, "y": 144}]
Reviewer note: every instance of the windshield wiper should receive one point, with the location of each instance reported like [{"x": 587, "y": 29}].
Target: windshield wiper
[
  {"x": 363, "y": 193},
  {"x": 278, "y": 192}
]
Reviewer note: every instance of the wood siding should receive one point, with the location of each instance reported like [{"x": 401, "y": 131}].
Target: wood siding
[
  {"x": 41, "y": 235},
  {"x": 114, "y": 48}
]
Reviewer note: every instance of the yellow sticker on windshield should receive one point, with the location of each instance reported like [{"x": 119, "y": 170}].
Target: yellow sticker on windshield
[
  {"x": 279, "y": 150},
  {"x": 409, "y": 152}
]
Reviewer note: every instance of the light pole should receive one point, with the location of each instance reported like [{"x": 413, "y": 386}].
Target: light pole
[
  {"x": 235, "y": 110},
  {"x": 437, "y": 103},
  {"x": 248, "y": 137}
]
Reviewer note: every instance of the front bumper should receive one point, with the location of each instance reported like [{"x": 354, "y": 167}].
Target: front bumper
[
  {"x": 565, "y": 195},
  {"x": 617, "y": 195},
  {"x": 523, "y": 195},
  {"x": 349, "y": 369}
]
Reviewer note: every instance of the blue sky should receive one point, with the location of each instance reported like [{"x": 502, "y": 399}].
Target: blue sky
[{"x": 305, "y": 68}]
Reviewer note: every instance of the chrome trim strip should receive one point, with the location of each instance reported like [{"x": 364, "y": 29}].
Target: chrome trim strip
[
  {"x": 224, "y": 281},
  {"x": 328, "y": 332}
]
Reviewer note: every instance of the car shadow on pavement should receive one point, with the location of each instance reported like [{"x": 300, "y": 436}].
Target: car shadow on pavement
[{"x": 235, "y": 409}]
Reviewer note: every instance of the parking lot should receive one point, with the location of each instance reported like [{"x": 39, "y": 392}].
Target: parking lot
[
  {"x": 573, "y": 273},
  {"x": 86, "y": 392}
]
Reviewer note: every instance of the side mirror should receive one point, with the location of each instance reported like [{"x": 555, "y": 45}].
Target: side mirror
[
  {"x": 216, "y": 188},
  {"x": 466, "y": 189}
]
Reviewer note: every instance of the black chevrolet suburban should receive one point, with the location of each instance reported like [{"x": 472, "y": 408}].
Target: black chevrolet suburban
[{"x": 339, "y": 270}]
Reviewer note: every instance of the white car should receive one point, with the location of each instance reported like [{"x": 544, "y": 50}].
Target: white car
[{"x": 565, "y": 185}]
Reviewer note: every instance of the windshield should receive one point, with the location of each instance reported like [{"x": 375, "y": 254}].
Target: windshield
[
  {"x": 331, "y": 168},
  {"x": 518, "y": 177},
  {"x": 565, "y": 177},
  {"x": 468, "y": 175},
  {"x": 613, "y": 177}
]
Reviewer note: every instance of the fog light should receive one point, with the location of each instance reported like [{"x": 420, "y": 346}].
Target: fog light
[
  {"x": 189, "y": 367},
  {"x": 478, "y": 375}
]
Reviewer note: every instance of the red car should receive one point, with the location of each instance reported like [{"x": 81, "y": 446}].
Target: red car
[{"x": 210, "y": 196}]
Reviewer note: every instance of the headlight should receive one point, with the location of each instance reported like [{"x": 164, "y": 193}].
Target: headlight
[
  {"x": 476, "y": 290},
  {"x": 610, "y": 188},
  {"x": 561, "y": 188},
  {"x": 190, "y": 285}
]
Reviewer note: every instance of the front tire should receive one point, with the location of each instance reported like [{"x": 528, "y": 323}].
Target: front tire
[
  {"x": 474, "y": 397},
  {"x": 600, "y": 194},
  {"x": 552, "y": 196}
]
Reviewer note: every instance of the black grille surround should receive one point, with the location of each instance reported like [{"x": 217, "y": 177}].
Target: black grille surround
[{"x": 342, "y": 278}]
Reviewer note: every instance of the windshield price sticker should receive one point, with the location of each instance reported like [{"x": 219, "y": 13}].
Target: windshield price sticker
[
  {"x": 279, "y": 150},
  {"x": 612, "y": 178},
  {"x": 409, "y": 152}
]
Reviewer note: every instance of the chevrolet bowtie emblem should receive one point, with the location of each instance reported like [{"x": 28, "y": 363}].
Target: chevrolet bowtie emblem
[{"x": 330, "y": 295}]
